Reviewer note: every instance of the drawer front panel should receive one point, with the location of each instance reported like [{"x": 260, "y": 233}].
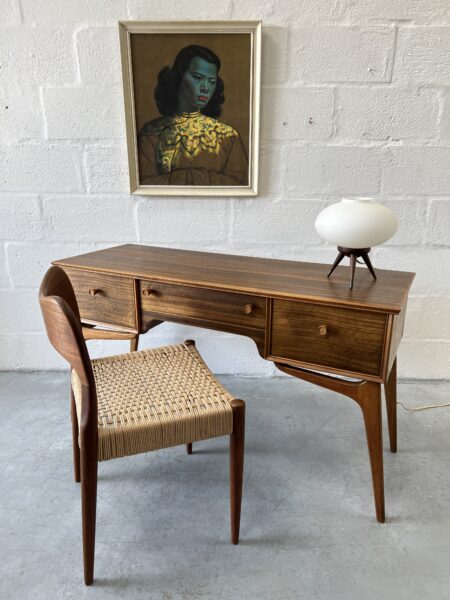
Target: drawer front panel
[
  {"x": 104, "y": 298},
  {"x": 340, "y": 338},
  {"x": 184, "y": 302}
]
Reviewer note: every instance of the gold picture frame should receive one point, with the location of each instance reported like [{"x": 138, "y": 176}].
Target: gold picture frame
[{"x": 192, "y": 98}]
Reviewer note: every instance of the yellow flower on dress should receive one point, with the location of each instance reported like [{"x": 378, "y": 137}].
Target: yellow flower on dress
[{"x": 186, "y": 134}]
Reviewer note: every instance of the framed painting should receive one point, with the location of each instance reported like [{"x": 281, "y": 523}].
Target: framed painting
[{"x": 191, "y": 91}]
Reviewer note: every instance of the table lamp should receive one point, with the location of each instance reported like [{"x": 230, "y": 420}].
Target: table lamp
[{"x": 355, "y": 225}]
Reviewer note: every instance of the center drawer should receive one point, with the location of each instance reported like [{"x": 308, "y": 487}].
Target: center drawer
[
  {"x": 104, "y": 299},
  {"x": 200, "y": 306}
]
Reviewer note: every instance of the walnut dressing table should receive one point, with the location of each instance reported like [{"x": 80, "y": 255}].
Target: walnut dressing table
[{"x": 311, "y": 327}]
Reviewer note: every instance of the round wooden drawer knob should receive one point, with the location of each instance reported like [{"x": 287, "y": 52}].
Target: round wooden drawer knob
[
  {"x": 248, "y": 308},
  {"x": 94, "y": 292},
  {"x": 323, "y": 330},
  {"x": 148, "y": 292}
]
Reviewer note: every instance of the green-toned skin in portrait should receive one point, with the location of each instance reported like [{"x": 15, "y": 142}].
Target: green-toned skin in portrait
[{"x": 188, "y": 145}]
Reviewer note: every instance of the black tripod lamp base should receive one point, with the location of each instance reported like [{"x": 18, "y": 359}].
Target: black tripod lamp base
[{"x": 354, "y": 254}]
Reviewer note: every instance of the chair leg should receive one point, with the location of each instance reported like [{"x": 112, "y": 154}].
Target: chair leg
[
  {"x": 236, "y": 466},
  {"x": 75, "y": 443},
  {"x": 88, "y": 509},
  {"x": 189, "y": 446}
]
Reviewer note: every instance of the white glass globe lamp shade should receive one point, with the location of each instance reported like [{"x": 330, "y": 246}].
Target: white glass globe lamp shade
[{"x": 355, "y": 225}]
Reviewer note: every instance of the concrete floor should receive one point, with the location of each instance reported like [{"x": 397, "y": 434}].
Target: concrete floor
[{"x": 308, "y": 527}]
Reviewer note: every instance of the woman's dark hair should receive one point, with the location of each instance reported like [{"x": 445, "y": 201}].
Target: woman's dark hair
[{"x": 169, "y": 79}]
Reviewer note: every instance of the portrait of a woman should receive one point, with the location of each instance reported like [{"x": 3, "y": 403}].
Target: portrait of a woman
[{"x": 189, "y": 145}]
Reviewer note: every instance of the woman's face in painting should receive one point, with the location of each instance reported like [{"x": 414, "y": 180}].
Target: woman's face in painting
[{"x": 197, "y": 85}]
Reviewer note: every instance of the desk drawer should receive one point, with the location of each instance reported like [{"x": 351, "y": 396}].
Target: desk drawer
[
  {"x": 102, "y": 298},
  {"x": 201, "y": 306},
  {"x": 328, "y": 337}
]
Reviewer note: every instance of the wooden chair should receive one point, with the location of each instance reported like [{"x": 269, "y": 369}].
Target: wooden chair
[{"x": 136, "y": 402}]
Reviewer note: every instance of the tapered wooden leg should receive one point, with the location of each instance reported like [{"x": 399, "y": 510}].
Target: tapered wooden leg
[
  {"x": 390, "y": 391},
  {"x": 75, "y": 443},
  {"x": 134, "y": 344},
  {"x": 370, "y": 403},
  {"x": 88, "y": 508},
  {"x": 368, "y": 395},
  {"x": 236, "y": 466},
  {"x": 366, "y": 259},
  {"x": 189, "y": 448},
  {"x": 352, "y": 269},
  {"x": 339, "y": 258}
]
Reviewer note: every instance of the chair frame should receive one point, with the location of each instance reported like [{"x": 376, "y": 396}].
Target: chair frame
[{"x": 62, "y": 321}]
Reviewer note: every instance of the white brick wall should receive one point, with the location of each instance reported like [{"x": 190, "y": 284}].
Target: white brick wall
[
  {"x": 410, "y": 212},
  {"x": 280, "y": 221},
  {"x": 40, "y": 55},
  {"x": 324, "y": 170},
  {"x": 27, "y": 262},
  {"x": 69, "y": 11},
  {"x": 417, "y": 170},
  {"x": 418, "y": 11},
  {"x": 387, "y": 113},
  {"x": 333, "y": 54},
  {"x": 5, "y": 281},
  {"x": 275, "y": 43},
  {"x": 423, "y": 55},
  {"x": 20, "y": 217},
  {"x": 355, "y": 101},
  {"x": 445, "y": 118},
  {"x": 300, "y": 113},
  {"x": 98, "y": 52},
  {"x": 180, "y": 9},
  {"x": 106, "y": 169},
  {"x": 88, "y": 112},
  {"x": 101, "y": 218},
  {"x": 171, "y": 221},
  {"x": 301, "y": 11},
  {"x": 431, "y": 265},
  {"x": 22, "y": 116},
  {"x": 9, "y": 12},
  {"x": 438, "y": 231},
  {"x": 40, "y": 168}
]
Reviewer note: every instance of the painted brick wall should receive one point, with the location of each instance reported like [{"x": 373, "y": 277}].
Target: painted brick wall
[{"x": 355, "y": 101}]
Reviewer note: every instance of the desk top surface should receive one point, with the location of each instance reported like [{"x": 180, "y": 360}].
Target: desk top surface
[{"x": 260, "y": 276}]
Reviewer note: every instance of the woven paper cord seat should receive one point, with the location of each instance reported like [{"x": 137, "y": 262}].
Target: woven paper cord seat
[{"x": 155, "y": 399}]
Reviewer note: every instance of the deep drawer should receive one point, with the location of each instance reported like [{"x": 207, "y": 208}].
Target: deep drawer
[
  {"x": 328, "y": 337},
  {"x": 105, "y": 299}
]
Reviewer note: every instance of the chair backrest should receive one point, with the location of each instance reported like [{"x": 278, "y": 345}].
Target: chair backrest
[{"x": 62, "y": 322}]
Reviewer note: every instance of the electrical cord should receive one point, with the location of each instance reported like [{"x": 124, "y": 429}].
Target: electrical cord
[{"x": 426, "y": 407}]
